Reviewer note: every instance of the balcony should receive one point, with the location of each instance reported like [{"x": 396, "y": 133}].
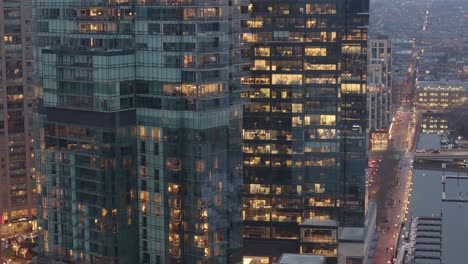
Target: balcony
[
  {"x": 181, "y": 2},
  {"x": 75, "y": 65},
  {"x": 105, "y": 2}
]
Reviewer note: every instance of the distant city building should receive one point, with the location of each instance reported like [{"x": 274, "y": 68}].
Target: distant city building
[
  {"x": 465, "y": 73},
  {"x": 139, "y": 133},
  {"x": 440, "y": 95},
  {"x": 17, "y": 175},
  {"x": 305, "y": 128},
  {"x": 435, "y": 66},
  {"x": 402, "y": 55},
  {"x": 402, "y": 44},
  {"x": 379, "y": 91}
]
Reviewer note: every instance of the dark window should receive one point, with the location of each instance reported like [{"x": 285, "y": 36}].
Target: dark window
[{"x": 156, "y": 148}]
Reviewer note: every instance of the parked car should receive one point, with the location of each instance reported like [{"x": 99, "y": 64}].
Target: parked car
[
  {"x": 436, "y": 151},
  {"x": 32, "y": 261}
]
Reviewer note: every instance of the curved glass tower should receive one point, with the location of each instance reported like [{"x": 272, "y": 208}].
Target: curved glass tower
[{"x": 140, "y": 151}]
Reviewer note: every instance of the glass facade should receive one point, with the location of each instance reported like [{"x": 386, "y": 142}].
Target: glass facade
[
  {"x": 189, "y": 141},
  {"x": 86, "y": 160},
  {"x": 305, "y": 129},
  {"x": 140, "y": 117},
  {"x": 17, "y": 175}
]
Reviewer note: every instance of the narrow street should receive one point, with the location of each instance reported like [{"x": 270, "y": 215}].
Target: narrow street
[{"x": 391, "y": 184}]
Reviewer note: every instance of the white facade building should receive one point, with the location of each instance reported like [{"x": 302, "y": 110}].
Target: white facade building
[{"x": 379, "y": 83}]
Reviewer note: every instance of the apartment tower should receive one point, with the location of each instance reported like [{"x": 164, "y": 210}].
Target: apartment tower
[
  {"x": 17, "y": 175},
  {"x": 305, "y": 128},
  {"x": 379, "y": 91},
  {"x": 139, "y": 159}
]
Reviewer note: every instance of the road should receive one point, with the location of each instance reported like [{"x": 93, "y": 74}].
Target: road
[
  {"x": 443, "y": 154},
  {"x": 391, "y": 184}
]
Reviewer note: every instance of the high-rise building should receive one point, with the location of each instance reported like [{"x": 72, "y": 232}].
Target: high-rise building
[
  {"x": 86, "y": 163},
  {"x": 305, "y": 128},
  {"x": 140, "y": 153},
  {"x": 17, "y": 176},
  {"x": 189, "y": 135},
  {"x": 379, "y": 91}
]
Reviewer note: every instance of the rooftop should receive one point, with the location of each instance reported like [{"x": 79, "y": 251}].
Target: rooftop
[
  {"x": 443, "y": 84},
  {"x": 301, "y": 259},
  {"x": 352, "y": 234},
  {"x": 310, "y": 222}
]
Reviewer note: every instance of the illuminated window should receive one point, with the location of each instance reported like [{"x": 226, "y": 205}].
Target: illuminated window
[
  {"x": 327, "y": 120},
  {"x": 260, "y": 260},
  {"x": 314, "y": 51},
  {"x": 311, "y": 23},
  {"x": 260, "y": 93},
  {"x": 320, "y": 67},
  {"x": 259, "y": 189},
  {"x": 287, "y": 79},
  {"x": 200, "y": 165},
  {"x": 142, "y": 132},
  {"x": 261, "y": 65},
  {"x": 296, "y": 121},
  {"x": 251, "y": 37},
  {"x": 189, "y": 61},
  {"x": 262, "y": 51},
  {"x": 175, "y": 214},
  {"x": 155, "y": 133},
  {"x": 297, "y": 108},
  {"x": 257, "y": 23},
  {"x": 256, "y": 134},
  {"x": 144, "y": 196},
  {"x": 173, "y": 164},
  {"x": 322, "y": 8},
  {"x": 353, "y": 88},
  {"x": 318, "y": 80}
]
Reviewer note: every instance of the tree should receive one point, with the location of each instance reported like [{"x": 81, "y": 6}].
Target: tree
[
  {"x": 15, "y": 245},
  {"x": 23, "y": 251}
]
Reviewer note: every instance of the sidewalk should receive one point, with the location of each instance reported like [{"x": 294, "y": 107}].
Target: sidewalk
[{"x": 389, "y": 232}]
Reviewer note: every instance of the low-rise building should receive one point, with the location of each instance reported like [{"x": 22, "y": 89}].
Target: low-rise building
[{"x": 440, "y": 95}]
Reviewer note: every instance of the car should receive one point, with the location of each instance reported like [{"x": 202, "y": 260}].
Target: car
[
  {"x": 32, "y": 261},
  {"x": 435, "y": 151},
  {"x": 420, "y": 150}
]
